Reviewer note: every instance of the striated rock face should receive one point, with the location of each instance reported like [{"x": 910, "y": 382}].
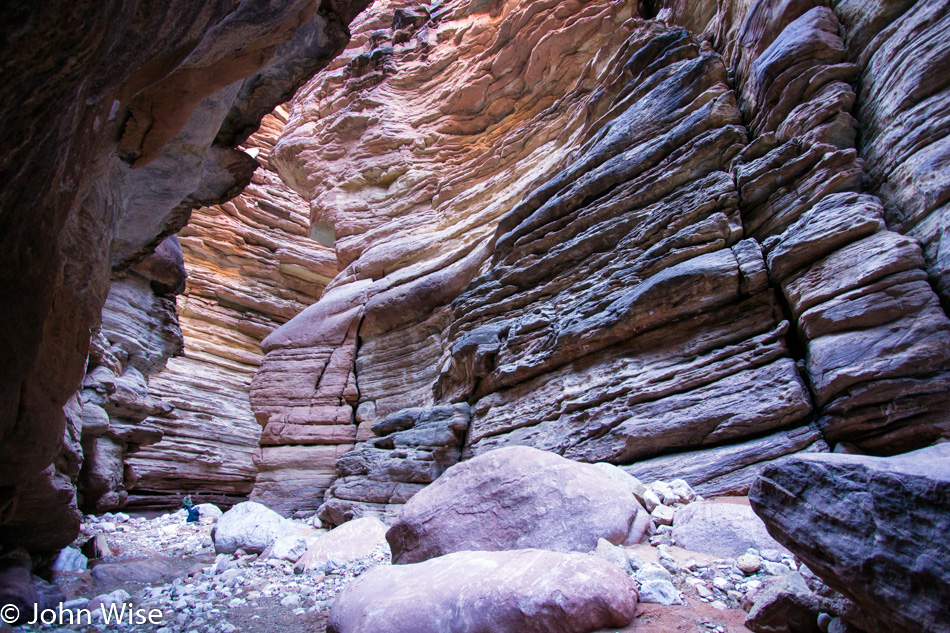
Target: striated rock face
[
  {"x": 252, "y": 266},
  {"x": 870, "y": 527},
  {"x": 118, "y": 119},
  {"x": 610, "y": 238},
  {"x": 874, "y": 336},
  {"x": 139, "y": 333}
]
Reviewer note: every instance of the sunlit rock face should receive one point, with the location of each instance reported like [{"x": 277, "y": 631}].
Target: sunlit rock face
[
  {"x": 652, "y": 242},
  {"x": 251, "y": 267},
  {"x": 118, "y": 119}
]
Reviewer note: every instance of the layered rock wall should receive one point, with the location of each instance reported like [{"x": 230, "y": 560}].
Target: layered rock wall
[
  {"x": 139, "y": 333},
  {"x": 251, "y": 267},
  {"x": 118, "y": 119},
  {"x": 599, "y": 235}
]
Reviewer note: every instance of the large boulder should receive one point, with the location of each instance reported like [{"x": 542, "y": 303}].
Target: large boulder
[
  {"x": 720, "y": 529},
  {"x": 873, "y": 528},
  {"x": 524, "y": 591},
  {"x": 516, "y": 498},
  {"x": 352, "y": 540},
  {"x": 251, "y": 527}
]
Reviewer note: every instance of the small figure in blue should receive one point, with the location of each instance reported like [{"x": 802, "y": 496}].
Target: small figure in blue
[{"x": 193, "y": 513}]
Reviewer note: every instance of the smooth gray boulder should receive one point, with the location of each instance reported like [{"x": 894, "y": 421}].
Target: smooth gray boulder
[
  {"x": 523, "y": 591},
  {"x": 873, "y": 528},
  {"x": 720, "y": 529},
  {"x": 516, "y": 498}
]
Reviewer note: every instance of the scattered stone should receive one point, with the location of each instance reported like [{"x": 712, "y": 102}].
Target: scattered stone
[
  {"x": 683, "y": 491},
  {"x": 653, "y": 571},
  {"x": 70, "y": 560},
  {"x": 659, "y": 592},
  {"x": 663, "y": 515},
  {"x": 251, "y": 527},
  {"x": 650, "y": 500},
  {"x": 749, "y": 563},
  {"x": 117, "y": 597},
  {"x": 613, "y": 554},
  {"x": 209, "y": 512},
  {"x": 289, "y": 547},
  {"x": 786, "y": 605},
  {"x": 147, "y": 571},
  {"x": 664, "y": 492},
  {"x": 97, "y": 547}
]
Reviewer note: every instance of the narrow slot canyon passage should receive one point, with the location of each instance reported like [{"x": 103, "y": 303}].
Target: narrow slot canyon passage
[{"x": 475, "y": 316}]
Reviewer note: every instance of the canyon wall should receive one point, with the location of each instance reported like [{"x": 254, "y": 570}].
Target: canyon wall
[
  {"x": 677, "y": 244},
  {"x": 118, "y": 119},
  {"x": 251, "y": 267}
]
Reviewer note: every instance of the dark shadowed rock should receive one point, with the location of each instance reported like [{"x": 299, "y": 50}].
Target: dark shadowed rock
[
  {"x": 872, "y": 528},
  {"x": 118, "y": 119},
  {"x": 515, "y": 498},
  {"x": 524, "y": 591},
  {"x": 20, "y": 588},
  {"x": 786, "y": 605}
]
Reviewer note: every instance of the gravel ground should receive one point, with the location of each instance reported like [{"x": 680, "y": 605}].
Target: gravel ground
[{"x": 203, "y": 593}]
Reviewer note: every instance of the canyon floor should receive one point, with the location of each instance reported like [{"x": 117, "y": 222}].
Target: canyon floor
[{"x": 165, "y": 563}]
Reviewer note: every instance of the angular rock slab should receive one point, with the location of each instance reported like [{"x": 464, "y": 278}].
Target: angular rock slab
[
  {"x": 873, "y": 528},
  {"x": 720, "y": 529},
  {"x": 524, "y": 591},
  {"x": 515, "y": 498},
  {"x": 350, "y": 541}
]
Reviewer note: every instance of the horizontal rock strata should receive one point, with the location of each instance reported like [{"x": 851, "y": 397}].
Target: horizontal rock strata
[
  {"x": 413, "y": 448},
  {"x": 659, "y": 249},
  {"x": 251, "y": 267},
  {"x": 139, "y": 333}
]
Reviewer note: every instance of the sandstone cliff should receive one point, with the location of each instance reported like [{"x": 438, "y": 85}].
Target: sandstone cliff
[
  {"x": 118, "y": 119},
  {"x": 251, "y": 267},
  {"x": 615, "y": 238}
]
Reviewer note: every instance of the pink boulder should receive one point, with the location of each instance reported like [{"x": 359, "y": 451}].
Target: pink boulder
[
  {"x": 523, "y": 591},
  {"x": 516, "y": 498}
]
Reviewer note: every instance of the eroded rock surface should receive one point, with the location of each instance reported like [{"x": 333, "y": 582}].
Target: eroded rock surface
[
  {"x": 118, "y": 120},
  {"x": 586, "y": 289},
  {"x": 663, "y": 248},
  {"x": 251, "y": 267},
  {"x": 868, "y": 526},
  {"x": 518, "y": 591},
  {"x": 516, "y": 498}
]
